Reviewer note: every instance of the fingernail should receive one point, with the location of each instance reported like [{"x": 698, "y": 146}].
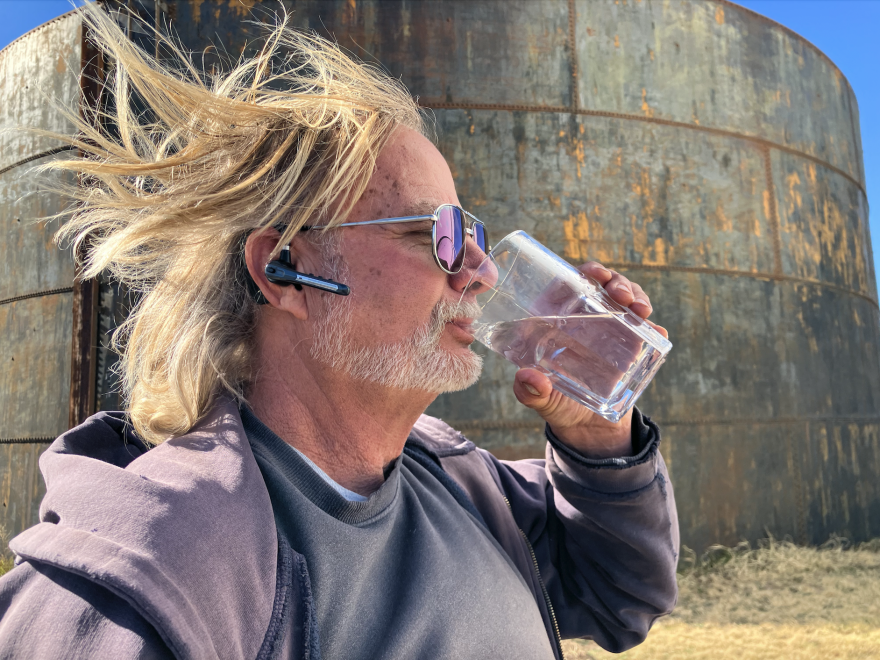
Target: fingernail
[
  {"x": 642, "y": 301},
  {"x": 620, "y": 286},
  {"x": 531, "y": 390}
]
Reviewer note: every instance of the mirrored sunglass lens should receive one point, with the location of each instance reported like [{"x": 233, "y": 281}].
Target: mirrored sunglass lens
[
  {"x": 449, "y": 236},
  {"x": 480, "y": 237}
]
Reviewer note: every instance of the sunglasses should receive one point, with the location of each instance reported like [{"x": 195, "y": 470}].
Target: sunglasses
[{"x": 451, "y": 227}]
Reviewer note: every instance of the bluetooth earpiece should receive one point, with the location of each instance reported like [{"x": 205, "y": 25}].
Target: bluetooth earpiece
[{"x": 280, "y": 272}]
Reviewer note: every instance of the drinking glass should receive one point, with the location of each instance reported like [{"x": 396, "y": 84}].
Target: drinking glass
[{"x": 538, "y": 311}]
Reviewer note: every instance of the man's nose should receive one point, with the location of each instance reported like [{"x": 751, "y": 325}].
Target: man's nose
[{"x": 477, "y": 274}]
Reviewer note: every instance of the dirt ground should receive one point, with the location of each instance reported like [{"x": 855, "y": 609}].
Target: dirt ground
[{"x": 775, "y": 601}]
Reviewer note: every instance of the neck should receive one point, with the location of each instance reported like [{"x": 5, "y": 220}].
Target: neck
[{"x": 351, "y": 429}]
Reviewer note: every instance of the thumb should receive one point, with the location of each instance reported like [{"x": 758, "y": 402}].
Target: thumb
[{"x": 533, "y": 389}]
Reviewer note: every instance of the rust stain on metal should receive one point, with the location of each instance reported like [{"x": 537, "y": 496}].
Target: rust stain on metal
[
  {"x": 196, "y": 9},
  {"x": 647, "y": 109},
  {"x": 244, "y": 8},
  {"x": 823, "y": 221}
]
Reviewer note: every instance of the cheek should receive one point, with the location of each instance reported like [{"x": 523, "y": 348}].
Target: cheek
[{"x": 394, "y": 297}]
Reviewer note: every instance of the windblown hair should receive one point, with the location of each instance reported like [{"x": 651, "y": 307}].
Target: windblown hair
[{"x": 183, "y": 167}]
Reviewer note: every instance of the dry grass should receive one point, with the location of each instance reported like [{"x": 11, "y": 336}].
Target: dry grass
[
  {"x": 7, "y": 559},
  {"x": 777, "y": 601},
  {"x": 706, "y": 641}
]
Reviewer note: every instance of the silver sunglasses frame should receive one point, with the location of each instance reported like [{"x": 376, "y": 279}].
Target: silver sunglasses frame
[{"x": 469, "y": 231}]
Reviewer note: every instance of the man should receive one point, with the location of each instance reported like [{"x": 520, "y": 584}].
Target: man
[{"x": 298, "y": 504}]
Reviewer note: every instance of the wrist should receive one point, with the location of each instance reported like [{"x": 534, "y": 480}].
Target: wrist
[{"x": 597, "y": 442}]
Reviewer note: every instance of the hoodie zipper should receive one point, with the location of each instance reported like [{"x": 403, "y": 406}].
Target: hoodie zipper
[{"x": 543, "y": 587}]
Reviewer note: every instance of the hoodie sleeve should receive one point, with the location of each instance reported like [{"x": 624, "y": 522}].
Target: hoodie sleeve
[
  {"x": 604, "y": 534},
  {"x": 46, "y": 612}
]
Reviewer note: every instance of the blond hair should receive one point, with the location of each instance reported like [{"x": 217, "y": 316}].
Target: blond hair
[{"x": 167, "y": 197}]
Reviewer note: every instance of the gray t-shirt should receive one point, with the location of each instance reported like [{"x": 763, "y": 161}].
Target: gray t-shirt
[{"x": 406, "y": 574}]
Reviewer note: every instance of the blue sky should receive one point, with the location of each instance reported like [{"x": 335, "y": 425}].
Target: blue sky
[{"x": 845, "y": 30}]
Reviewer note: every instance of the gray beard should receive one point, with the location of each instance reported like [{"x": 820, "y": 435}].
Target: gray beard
[{"x": 416, "y": 362}]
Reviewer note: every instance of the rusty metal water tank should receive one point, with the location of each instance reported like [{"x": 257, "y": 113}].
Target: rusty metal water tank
[
  {"x": 702, "y": 150},
  {"x": 36, "y": 279}
]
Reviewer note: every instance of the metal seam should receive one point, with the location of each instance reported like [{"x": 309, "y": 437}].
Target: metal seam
[
  {"x": 486, "y": 425},
  {"x": 773, "y": 211},
  {"x": 742, "y": 273},
  {"x": 42, "y": 154},
  {"x": 37, "y": 294},
  {"x": 26, "y": 441},
  {"x": 442, "y": 105},
  {"x": 572, "y": 42}
]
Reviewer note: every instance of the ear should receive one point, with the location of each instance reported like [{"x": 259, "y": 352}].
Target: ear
[{"x": 257, "y": 251}]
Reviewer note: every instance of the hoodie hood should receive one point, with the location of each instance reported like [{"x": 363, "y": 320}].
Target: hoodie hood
[{"x": 184, "y": 531}]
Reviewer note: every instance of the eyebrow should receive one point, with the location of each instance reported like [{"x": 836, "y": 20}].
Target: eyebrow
[{"x": 422, "y": 207}]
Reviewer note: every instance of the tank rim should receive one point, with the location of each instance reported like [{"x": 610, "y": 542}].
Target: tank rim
[
  {"x": 791, "y": 32},
  {"x": 37, "y": 29},
  {"x": 728, "y": 3}
]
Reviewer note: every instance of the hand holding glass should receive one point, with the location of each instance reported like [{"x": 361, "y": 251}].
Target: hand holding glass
[{"x": 538, "y": 311}]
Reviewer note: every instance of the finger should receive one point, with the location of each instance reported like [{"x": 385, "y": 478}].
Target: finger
[
  {"x": 532, "y": 388},
  {"x": 597, "y": 271},
  {"x": 659, "y": 328},
  {"x": 641, "y": 304},
  {"x": 620, "y": 289}
]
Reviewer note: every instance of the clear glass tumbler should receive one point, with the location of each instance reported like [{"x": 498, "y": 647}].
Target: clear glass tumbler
[{"x": 538, "y": 311}]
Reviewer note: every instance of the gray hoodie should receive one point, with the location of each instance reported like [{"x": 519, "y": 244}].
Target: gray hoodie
[{"x": 174, "y": 551}]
